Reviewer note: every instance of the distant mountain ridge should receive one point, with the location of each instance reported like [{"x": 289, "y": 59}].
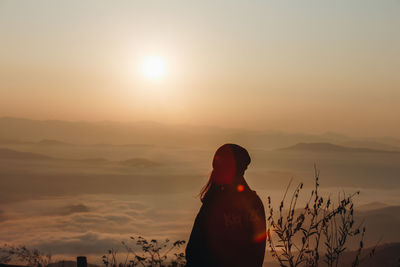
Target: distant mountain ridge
[
  {"x": 154, "y": 133},
  {"x": 328, "y": 147},
  {"x": 373, "y": 206},
  {"x": 139, "y": 162},
  {"x": 6, "y": 153},
  {"x": 52, "y": 142},
  {"x": 387, "y": 255}
]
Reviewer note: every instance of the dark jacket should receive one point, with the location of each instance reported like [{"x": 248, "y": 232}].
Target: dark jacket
[{"x": 229, "y": 230}]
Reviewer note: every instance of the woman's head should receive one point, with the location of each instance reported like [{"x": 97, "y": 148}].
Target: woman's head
[{"x": 230, "y": 162}]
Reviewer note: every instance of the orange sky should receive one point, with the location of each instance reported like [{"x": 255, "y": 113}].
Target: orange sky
[{"x": 309, "y": 67}]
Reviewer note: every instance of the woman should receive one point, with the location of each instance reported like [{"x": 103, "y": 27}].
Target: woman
[{"x": 229, "y": 229}]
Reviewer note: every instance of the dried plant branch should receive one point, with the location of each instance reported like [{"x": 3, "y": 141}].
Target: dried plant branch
[
  {"x": 298, "y": 238},
  {"x": 152, "y": 253}
]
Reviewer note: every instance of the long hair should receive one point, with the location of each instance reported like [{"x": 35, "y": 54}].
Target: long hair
[{"x": 230, "y": 161}]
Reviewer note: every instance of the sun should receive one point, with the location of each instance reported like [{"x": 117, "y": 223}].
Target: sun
[{"x": 154, "y": 68}]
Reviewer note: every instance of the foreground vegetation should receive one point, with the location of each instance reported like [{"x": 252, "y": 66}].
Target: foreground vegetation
[
  {"x": 317, "y": 233},
  {"x": 151, "y": 253},
  {"x": 23, "y": 255}
]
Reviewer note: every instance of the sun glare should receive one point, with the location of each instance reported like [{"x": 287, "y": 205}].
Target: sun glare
[{"x": 154, "y": 68}]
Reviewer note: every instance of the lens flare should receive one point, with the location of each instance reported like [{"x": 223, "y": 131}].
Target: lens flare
[{"x": 240, "y": 188}]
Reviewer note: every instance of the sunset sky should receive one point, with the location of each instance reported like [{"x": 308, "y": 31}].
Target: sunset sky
[{"x": 297, "y": 66}]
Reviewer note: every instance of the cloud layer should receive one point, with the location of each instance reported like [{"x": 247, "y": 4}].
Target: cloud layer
[{"x": 92, "y": 224}]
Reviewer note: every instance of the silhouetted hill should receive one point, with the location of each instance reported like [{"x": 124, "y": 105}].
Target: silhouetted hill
[
  {"x": 51, "y": 142},
  {"x": 6, "y": 153},
  {"x": 387, "y": 255},
  {"x": 372, "y": 206},
  {"x": 136, "y": 162},
  {"x": 382, "y": 224},
  {"x": 94, "y": 160},
  {"x": 369, "y": 144},
  {"x": 152, "y": 133},
  {"x": 328, "y": 147}
]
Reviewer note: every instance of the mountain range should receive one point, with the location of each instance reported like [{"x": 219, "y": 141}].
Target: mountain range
[
  {"x": 106, "y": 132},
  {"x": 328, "y": 148}
]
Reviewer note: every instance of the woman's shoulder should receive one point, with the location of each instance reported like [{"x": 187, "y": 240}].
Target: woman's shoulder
[{"x": 255, "y": 198}]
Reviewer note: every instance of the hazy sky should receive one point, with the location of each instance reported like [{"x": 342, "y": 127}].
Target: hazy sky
[{"x": 309, "y": 66}]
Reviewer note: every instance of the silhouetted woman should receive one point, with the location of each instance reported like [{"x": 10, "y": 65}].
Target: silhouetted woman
[{"x": 229, "y": 229}]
